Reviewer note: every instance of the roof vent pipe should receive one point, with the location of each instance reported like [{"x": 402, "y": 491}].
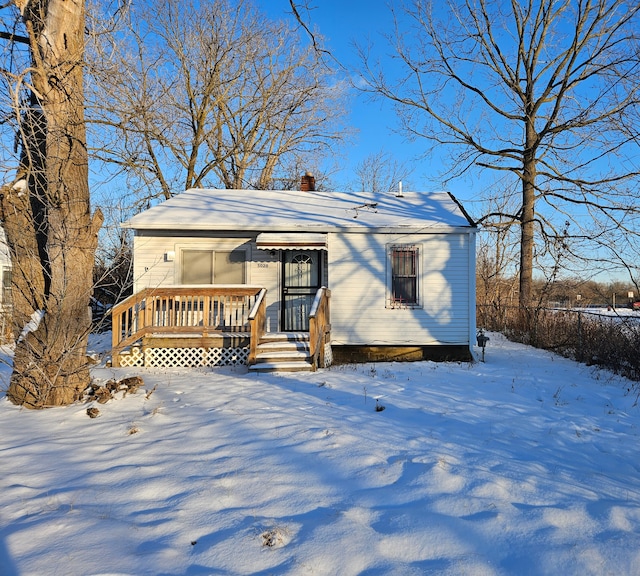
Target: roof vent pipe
[
  {"x": 400, "y": 194},
  {"x": 308, "y": 183}
]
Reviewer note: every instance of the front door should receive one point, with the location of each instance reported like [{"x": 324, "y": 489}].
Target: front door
[{"x": 301, "y": 271}]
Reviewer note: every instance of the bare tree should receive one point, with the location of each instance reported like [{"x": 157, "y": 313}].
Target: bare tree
[
  {"x": 380, "y": 172},
  {"x": 538, "y": 89},
  {"x": 300, "y": 12},
  {"x": 496, "y": 258},
  {"x": 209, "y": 94},
  {"x": 45, "y": 209},
  {"x": 113, "y": 272}
]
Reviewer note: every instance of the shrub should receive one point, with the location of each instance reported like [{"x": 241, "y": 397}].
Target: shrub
[{"x": 609, "y": 341}]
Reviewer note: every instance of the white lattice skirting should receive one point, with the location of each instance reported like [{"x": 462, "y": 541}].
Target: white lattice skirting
[
  {"x": 184, "y": 357},
  {"x": 328, "y": 355}
]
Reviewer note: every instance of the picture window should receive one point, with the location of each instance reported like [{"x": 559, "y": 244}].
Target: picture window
[{"x": 213, "y": 267}]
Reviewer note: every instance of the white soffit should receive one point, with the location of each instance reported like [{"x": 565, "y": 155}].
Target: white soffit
[{"x": 291, "y": 241}]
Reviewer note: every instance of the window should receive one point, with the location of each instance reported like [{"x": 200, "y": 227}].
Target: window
[
  {"x": 213, "y": 267},
  {"x": 229, "y": 267},
  {"x": 404, "y": 276},
  {"x": 197, "y": 267},
  {"x": 6, "y": 287}
]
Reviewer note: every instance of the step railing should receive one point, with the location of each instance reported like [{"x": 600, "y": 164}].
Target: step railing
[
  {"x": 319, "y": 327},
  {"x": 257, "y": 324}
]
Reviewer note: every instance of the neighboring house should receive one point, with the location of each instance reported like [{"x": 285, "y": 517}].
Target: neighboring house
[
  {"x": 5, "y": 271},
  {"x": 399, "y": 270},
  {"x": 5, "y": 288}
]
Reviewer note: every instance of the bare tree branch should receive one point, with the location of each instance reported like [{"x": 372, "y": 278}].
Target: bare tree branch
[
  {"x": 545, "y": 90},
  {"x": 227, "y": 98},
  {"x": 14, "y": 37}
]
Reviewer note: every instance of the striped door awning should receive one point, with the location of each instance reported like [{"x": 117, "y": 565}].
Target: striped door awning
[{"x": 291, "y": 241}]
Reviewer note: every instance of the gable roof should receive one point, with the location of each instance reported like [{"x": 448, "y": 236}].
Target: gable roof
[{"x": 293, "y": 210}]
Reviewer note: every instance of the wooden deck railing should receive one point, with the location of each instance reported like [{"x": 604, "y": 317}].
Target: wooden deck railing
[
  {"x": 183, "y": 310},
  {"x": 319, "y": 327},
  {"x": 202, "y": 311},
  {"x": 258, "y": 323}
]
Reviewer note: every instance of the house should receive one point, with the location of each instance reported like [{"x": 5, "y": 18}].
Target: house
[
  {"x": 5, "y": 272},
  {"x": 347, "y": 276},
  {"x": 5, "y": 289}
]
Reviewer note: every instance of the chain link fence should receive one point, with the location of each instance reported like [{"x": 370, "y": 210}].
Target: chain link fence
[{"x": 610, "y": 340}]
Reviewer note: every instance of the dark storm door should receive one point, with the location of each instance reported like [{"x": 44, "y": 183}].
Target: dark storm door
[{"x": 301, "y": 280}]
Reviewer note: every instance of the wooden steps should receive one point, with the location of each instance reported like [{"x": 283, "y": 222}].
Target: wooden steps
[{"x": 283, "y": 352}]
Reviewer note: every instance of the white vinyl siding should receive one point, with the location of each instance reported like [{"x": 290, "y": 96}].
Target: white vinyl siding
[
  {"x": 266, "y": 272},
  {"x": 357, "y": 272},
  {"x": 159, "y": 260},
  {"x": 150, "y": 266},
  {"x": 153, "y": 269},
  {"x": 360, "y": 290}
]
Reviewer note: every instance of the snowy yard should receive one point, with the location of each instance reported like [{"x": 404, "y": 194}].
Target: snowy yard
[{"x": 525, "y": 464}]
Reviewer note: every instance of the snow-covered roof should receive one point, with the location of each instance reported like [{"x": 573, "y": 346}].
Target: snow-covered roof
[{"x": 293, "y": 210}]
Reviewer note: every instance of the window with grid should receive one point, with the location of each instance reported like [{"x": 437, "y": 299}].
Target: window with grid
[{"x": 404, "y": 276}]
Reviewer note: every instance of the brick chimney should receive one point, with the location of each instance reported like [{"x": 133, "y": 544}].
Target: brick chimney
[{"x": 308, "y": 183}]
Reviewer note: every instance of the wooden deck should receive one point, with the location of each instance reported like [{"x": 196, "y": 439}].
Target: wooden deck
[{"x": 186, "y": 326}]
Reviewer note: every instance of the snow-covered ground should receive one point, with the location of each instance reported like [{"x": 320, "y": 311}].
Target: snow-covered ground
[{"x": 525, "y": 464}]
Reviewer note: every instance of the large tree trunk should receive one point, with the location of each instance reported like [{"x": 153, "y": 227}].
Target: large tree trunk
[
  {"x": 527, "y": 229},
  {"x": 527, "y": 223},
  {"x": 49, "y": 227}
]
